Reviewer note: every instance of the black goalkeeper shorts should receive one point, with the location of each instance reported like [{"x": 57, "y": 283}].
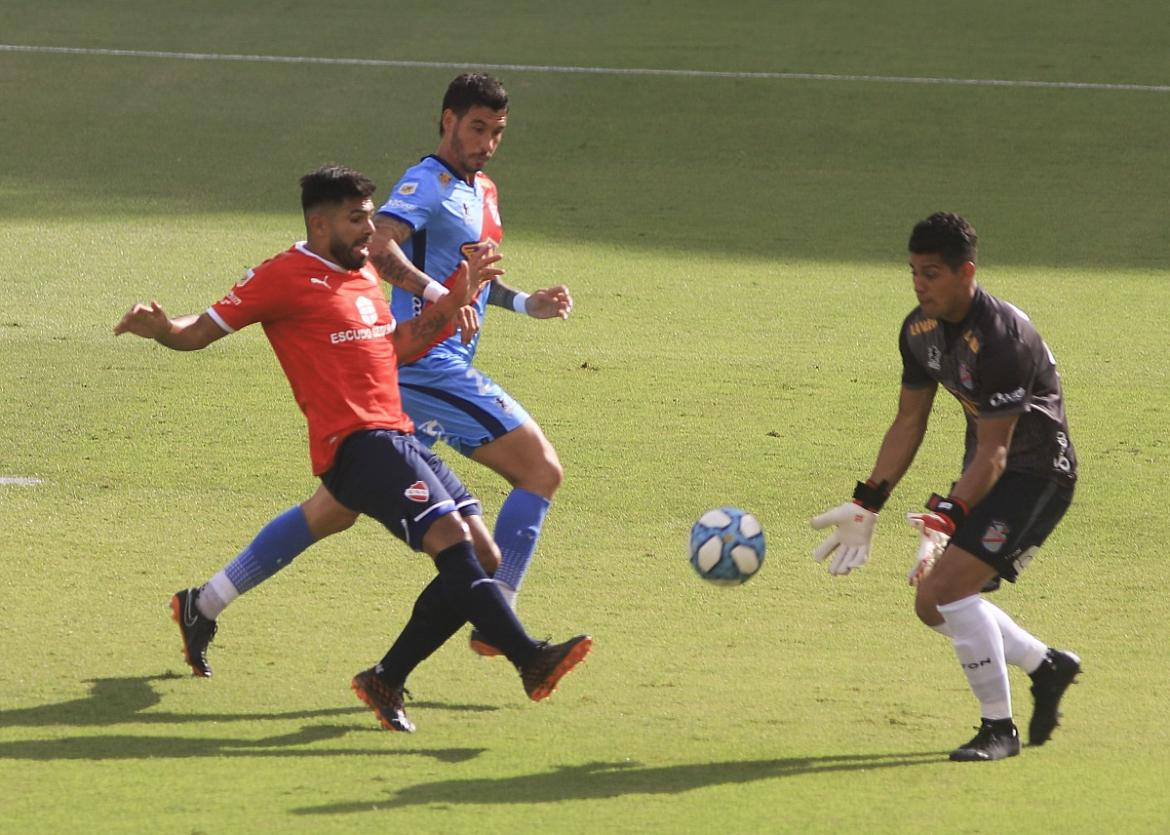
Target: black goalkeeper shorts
[{"x": 1007, "y": 528}]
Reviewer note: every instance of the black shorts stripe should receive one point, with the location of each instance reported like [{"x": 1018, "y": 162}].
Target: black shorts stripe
[{"x": 484, "y": 418}]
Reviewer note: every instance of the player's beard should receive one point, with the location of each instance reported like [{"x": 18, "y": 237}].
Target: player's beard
[
  {"x": 469, "y": 164},
  {"x": 348, "y": 255}
]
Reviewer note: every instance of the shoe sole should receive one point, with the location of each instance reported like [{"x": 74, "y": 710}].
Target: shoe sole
[
  {"x": 574, "y": 657},
  {"x": 484, "y": 650},
  {"x": 1042, "y": 735},
  {"x": 372, "y": 705},
  {"x": 957, "y": 757},
  {"x": 177, "y": 617}
]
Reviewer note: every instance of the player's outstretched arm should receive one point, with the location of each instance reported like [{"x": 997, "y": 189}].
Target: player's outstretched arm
[
  {"x": 183, "y": 333},
  {"x": 853, "y": 523},
  {"x": 546, "y": 303}
]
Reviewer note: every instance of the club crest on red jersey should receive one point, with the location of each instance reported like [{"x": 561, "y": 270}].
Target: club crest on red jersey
[{"x": 418, "y": 492}]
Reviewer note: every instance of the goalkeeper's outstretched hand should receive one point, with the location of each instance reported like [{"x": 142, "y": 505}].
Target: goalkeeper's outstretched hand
[{"x": 850, "y": 540}]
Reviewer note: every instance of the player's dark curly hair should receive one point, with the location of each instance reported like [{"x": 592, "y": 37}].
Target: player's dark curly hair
[
  {"x": 471, "y": 89},
  {"x": 333, "y": 184},
  {"x": 948, "y": 235}
]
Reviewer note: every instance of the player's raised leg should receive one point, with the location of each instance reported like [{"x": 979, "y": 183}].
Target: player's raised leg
[
  {"x": 393, "y": 478},
  {"x": 196, "y": 610},
  {"x": 461, "y": 592},
  {"x": 1050, "y": 679}
]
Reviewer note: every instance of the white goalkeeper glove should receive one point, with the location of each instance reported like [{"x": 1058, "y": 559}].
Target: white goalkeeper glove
[
  {"x": 854, "y": 521},
  {"x": 932, "y": 541},
  {"x": 850, "y": 540},
  {"x": 935, "y": 528}
]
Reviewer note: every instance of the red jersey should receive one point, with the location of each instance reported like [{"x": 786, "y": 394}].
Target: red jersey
[{"x": 330, "y": 329}]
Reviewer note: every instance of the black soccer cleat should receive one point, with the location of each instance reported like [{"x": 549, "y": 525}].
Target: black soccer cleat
[
  {"x": 197, "y": 630},
  {"x": 386, "y": 701},
  {"x": 550, "y": 664},
  {"x": 1055, "y": 673},
  {"x": 996, "y": 740}
]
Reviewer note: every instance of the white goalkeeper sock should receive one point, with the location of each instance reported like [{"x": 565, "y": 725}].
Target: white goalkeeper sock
[
  {"x": 1020, "y": 647},
  {"x": 979, "y": 645}
]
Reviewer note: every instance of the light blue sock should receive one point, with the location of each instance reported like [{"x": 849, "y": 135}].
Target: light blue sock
[
  {"x": 517, "y": 530},
  {"x": 273, "y": 548}
]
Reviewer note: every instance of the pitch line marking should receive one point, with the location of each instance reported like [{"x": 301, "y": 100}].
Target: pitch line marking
[
  {"x": 19, "y": 481},
  {"x": 536, "y": 68}
]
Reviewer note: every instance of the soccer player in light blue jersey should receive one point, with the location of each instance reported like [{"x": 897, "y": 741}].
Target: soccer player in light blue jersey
[{"x": 439, "y": 207}]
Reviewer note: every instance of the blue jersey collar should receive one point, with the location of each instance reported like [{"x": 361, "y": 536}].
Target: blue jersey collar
[{"x": 454, "y": 173}]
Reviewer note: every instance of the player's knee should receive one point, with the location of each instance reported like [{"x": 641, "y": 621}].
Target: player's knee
[
  {"x": 926, "y": 607},
  {"x": 449, "y": 529},
  {"x": 551, "y": 475},
  {"x": 339, "y": 523},
  {"x": 325, "y": 516},
  {"x": 545, "y": 474},
  {"x": 542, "y": 476}
]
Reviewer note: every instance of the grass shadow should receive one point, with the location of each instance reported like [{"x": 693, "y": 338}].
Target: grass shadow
[
  {"x": 139, "y": 747},
  {"x": 128, "y": 700},
  {"x": 604, "y": 780},
  {"x": 115, "y": 701}
]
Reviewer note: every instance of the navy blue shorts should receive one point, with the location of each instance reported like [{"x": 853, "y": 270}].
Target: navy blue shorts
[
  {"x": 389, "y": 476},
  {"x": 1007, "y": 528}
]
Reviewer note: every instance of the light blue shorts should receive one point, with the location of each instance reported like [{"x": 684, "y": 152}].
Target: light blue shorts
[{"x": 458, "y": 405}]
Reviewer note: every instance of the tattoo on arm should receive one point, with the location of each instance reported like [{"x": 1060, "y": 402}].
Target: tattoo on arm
[
  {"x": 388, "y": 258},
  {"x": 414, "y": 335}
]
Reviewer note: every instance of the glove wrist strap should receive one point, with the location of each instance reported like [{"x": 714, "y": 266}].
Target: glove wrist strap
[
  {"x": 951, "y": 507},
  {"x": 871, "y": 496}
]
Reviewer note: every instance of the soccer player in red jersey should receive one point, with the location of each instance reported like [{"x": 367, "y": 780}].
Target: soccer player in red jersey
[{"x": 324, "y": 312}]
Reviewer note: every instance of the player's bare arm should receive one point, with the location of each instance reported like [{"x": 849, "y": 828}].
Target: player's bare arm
[
  {"x": 547, "y": 303},
  {"x": 390, "y": 261},
  {"x": 414, "y": 336},
  {"x": 183, "y": 333},
  {"x": 853, "y": 522},
  {"x": 902, "y": 439},
  {"x": 993, "y": 438}
]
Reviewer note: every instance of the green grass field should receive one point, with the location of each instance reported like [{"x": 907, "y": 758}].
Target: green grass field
[{"x": 736, "y": 251}]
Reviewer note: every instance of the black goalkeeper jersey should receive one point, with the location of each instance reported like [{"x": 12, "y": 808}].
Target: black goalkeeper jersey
[{"x": 995, "y": 363}]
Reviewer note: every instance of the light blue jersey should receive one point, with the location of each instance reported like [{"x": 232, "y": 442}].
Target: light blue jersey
[
  {"x": 446, "y": 398},
  {"x": 446, "y": 213}
]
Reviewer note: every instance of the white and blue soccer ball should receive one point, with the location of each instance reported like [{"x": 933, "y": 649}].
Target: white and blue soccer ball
[{"x": 727, "y": 546}]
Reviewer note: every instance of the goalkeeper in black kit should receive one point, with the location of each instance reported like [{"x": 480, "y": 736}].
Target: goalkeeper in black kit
[{"x": 1019, "y": 473}]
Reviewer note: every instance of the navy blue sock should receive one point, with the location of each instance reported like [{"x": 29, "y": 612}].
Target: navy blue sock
[
  {"x": 472, "y": 593},
  {"x": 431, "y": 624}
]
